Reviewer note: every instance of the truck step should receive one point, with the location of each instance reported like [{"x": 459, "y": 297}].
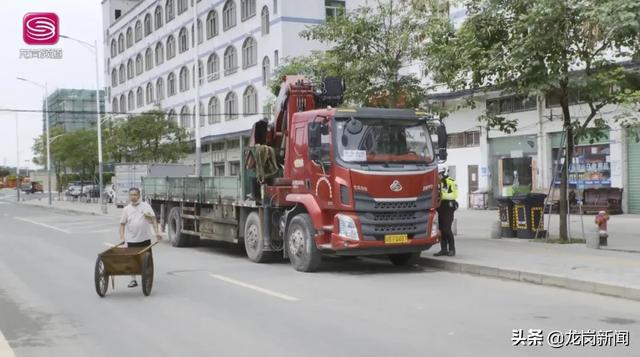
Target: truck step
[{"x": 327, "y": 228}]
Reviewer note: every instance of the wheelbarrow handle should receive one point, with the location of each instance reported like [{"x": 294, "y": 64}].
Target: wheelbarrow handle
[{"x": 149, "y": 247}]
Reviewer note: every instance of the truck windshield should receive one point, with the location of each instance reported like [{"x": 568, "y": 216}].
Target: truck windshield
[{"x": 377, "y": 141}]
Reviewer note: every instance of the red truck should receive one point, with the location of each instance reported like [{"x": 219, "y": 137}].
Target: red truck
[{"x": 317, "y": 180}]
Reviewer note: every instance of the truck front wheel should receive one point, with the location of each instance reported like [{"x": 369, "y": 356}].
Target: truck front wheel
[
  {"x": 253, "y": 240},
  {"x": 176, "y": 237},
  {"x": 301, "y": 246}
]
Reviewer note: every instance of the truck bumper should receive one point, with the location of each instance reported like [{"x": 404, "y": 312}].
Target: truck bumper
[{"x": 341, "y": 246}]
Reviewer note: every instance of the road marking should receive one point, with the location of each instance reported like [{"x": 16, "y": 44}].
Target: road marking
[
  {"x": 253, "y": 287},
  {"x": 42, "y": 224},
  {"x": 109, "y": 244},
  {"x": 5, "y": 349}
]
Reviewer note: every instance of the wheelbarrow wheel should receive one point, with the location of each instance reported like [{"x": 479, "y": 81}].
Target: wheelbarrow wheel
[
  {"x": 147, "y": 273},
  {"x": 101, "y": 278}
]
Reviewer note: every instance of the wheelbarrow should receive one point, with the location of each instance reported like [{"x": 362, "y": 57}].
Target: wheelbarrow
[{"x": 119, "y": 260}]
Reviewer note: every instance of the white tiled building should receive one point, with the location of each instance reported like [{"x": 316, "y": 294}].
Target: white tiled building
[{"x": 150, "y": 51}]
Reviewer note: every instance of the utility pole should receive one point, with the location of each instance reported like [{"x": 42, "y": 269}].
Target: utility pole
[
  {"x": 17, "y": 160},
  {"x": 196, "y": 67}
]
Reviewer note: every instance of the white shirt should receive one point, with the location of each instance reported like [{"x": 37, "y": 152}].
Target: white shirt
[{"x": 138, "y": 228}]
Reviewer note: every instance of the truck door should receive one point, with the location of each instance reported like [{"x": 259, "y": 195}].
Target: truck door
[{"x": 319, "y": 159}]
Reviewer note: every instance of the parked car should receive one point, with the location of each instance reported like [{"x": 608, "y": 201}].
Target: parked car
[
  {"x": 90, "y": 191},
  {"x": 73, "y": 191},
  {"x": 36, "y": 187}
]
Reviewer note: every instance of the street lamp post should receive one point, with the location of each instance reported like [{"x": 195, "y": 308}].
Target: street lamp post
[
  {"x": 17, "y": 161},
  {"x": 46, "y": 124},
  {"x": 94, "y": 48}
]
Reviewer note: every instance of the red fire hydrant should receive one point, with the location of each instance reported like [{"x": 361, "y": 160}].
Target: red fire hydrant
[{"x": 601, "y": 221}]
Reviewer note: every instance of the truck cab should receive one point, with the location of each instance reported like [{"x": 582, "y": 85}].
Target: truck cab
[{"x": 367, "y": 178}]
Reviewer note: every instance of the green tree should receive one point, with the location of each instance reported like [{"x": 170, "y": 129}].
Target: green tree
[
  {"x": 553, "y": 48},
  {"x": 147, "y": 137},
  {"x": 370, "y": 49}
]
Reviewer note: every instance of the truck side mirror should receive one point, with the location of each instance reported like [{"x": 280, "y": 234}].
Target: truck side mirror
[{"x": 442, "y": 142}]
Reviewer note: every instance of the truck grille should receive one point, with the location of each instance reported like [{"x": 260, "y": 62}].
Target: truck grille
[{"x": 378, "y": 218}]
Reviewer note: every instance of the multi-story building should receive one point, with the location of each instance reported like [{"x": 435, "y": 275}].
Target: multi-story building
[
  {"x": 150, "y": 50},
  {"x": 72, "y": 109}
]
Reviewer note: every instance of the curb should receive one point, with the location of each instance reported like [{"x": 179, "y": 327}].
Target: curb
[
  {"x": 534, "y": 278},
  {"x": 70, "y": 210}
]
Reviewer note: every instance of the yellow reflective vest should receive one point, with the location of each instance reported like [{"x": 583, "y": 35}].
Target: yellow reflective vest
[{"x": 448, "y": 189}]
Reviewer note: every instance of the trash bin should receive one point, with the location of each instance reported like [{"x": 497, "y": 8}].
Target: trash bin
[
  {"x": 529, "y": 215},
  {"x": 507, "y": 223}
]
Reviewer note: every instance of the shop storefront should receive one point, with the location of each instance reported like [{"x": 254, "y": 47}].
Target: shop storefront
[
  {"x": 513, "y": 165},
  {"x": 591, "y": 163}
]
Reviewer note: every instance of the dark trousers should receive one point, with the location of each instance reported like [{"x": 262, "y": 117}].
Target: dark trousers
[{"x": 445, "y": 220}]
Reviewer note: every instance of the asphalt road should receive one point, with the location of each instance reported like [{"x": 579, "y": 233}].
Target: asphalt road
[{"x": 212, "y": 301}]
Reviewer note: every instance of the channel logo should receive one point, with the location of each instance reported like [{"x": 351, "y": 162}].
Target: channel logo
[{"x": 40, "y": 28}]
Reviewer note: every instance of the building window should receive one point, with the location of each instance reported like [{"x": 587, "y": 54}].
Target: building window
[
  {"x": 171, "y": 115},
  {"x": 149, "y": 93},
  {"x": 214, "y": 110},
  {"x": 184, "y": 79},
  {"x": 184, "y": 117},
  {"x": 159, "y": 54},
  {"x": 266, "y": 71},
  {"x": 229, "y": 15},
  {"x": 510, "y": 104},
  {"x": 334, "y": 8},
  {"x": 247, "y": 9},
  {"x": 147, "y": 25},
  {"x": 552, "y": 99},
  {"x": 234, "y": 168},
  {"x": 250, "y": 101},
  {"x": 213, "y": 67},
  {"x": 121, "y": 74},
  {"x": 114, "y": 78},
  {"x": 212, "y": 24},
  {"x": 275, "y": 6},
  {"x": 131, "y": 102},
  {"x": 129, "y": 37},
  {"x": 170, "y": 12},
  {"x": 249, "y": 53},
  {"x": 114, "y": 48},
  {"x": 130, "y": 69},
  {"x": 230, "y": 61},
  {"x": 464, "y": 139},
  {"x": 200, "y": 73},
  {"x": 123, "y": 104},
  {"x": 160, "y": 89},
  {"x": 218, "y": 168},
  {"x": 200, "y": 33},
  {"x": 183, "y": 40},
  {"x": 120, "y": 44},
  {"x": 138, "y": 31},
  {"x": 158, "y": 17},
  {"x": 276, "y": 58},
  {"x": 265, "y": 20},
  {"x": 139, "y": 97},
  {"x": 139, "y": 67},
  {"x": 231, "y": 106},
  {"x": 171, "y": 84},
  {"x": 148, "y": 59},
  {"x": 201, "y": 114},
  {"x": 114, "y": 105},
  {"x": 171, "y": 47},
  {"x": 183, "y": 5}
]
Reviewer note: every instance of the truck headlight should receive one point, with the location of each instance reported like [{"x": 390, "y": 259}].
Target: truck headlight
[
  {"x": 347, "y": 227},
  {"x": 435, "y": 227}
]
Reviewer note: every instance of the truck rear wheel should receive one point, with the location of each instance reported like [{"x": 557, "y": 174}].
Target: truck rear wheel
[
  {"x": 301, "y": 246},
  {"x": 177, "y": 238},
  {"x": 404, "y": 259},
  {"x": 253, "y": 240}
]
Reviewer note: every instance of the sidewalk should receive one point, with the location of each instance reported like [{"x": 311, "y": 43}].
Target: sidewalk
[
  {"x": 74, "y": 207},
  {"x": 571, "y": 266}
]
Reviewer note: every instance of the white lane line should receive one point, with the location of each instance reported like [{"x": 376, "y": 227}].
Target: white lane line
[
  {"x": 43, "y": 225},
  {"x": 109, "y": 244},
  {"x": 5, "y": 349},
  {"x": 255, "y": 288},
  {"x": 86, "y": 224}
]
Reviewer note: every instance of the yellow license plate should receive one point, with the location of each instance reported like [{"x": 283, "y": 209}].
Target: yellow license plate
[{"x": 396, "y": 239}]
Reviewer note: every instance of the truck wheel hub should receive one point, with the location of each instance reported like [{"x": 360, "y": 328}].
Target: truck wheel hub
[
  {"x": 252, "y": 237},
  {"x": 296, "y": 243}
]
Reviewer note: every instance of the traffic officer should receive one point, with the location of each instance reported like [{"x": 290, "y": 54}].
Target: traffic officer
[{"x": 448, "y": 205}]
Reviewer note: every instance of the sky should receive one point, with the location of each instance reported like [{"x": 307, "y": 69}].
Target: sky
[{"x": 81, "y": 19}]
